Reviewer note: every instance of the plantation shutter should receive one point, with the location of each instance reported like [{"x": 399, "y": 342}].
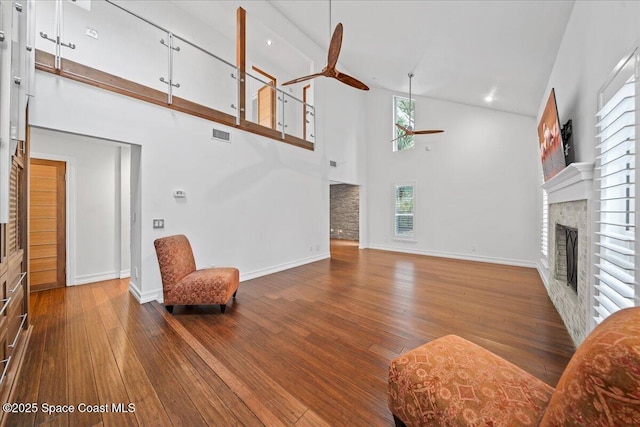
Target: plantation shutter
[
  {"x": 404, "y": 211},
  {"x": 544, "y": 238},
  {"x": 615, "y": 226}
]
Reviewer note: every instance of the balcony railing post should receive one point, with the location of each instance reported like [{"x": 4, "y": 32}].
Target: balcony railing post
[
  {"x": 284, "y": 121},
  {"x": 238, "y": 95}
]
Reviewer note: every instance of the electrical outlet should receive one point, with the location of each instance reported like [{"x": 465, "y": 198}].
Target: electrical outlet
[
  {"x": 92, "y": 33},
  {"x": 158, "y": 223},
  {"x": 474, "y": 248}
]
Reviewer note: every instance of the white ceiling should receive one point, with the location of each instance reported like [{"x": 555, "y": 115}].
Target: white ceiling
[{"x": 460, "y": 51}]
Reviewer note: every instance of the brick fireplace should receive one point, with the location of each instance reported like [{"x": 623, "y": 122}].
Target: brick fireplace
[{"x": 570, "y": 195}]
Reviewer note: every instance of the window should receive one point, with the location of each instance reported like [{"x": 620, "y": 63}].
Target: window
[
  {"x": 615, "y": 228},
  {"x": 404, "y": 211},
  {"x": 403, "y": 114}
]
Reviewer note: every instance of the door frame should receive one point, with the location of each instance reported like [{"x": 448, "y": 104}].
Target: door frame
[
  {"x": 274, "y": 95},
  {"x": 70, "y": 207}
]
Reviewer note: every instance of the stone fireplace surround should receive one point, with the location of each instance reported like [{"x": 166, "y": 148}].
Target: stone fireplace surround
[{"x": 570, "y": 196}]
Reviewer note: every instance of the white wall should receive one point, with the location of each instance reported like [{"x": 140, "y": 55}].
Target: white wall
[
  {"x": 94, "y": 193},
  {"x": 599, "y": 34},
  {"x": 256, "y": 204},
  {"x": 476, "y": 186}
]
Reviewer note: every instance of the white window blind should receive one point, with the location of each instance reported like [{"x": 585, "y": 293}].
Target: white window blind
[
  {"x": 544, "y": 237},
  {"x": 404, "y": 211},
  {"x": 615, "y": 227}
]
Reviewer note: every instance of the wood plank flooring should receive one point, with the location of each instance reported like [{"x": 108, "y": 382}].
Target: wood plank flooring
[{"x": 308, "y": 346}]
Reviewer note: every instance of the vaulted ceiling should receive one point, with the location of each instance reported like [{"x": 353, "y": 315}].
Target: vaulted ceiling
[{"x": 462, "y": 51}]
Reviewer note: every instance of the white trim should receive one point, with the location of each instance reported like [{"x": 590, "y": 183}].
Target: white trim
[
  {"x": 575, "y": 182},
  {"x": 96, "y": 277},
  {"x": 543, "y": 270},
  {"x": 70, "y": 188},
  {"x": 394, "y": 186},
  {"x": 156, "y": 294},
  {"x": 281, "y": 267},
  {"x": 125, "y": 273},
  {"x": 491, "y": 260}
]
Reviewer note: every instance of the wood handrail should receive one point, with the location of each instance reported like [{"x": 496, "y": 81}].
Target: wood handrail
[{"x": 75, "y": 71}]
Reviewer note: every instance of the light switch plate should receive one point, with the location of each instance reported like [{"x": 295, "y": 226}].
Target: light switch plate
[{"x": 158, "y": 223}]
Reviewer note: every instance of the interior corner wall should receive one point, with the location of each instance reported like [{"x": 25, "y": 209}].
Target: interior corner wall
[
  {"x": 476, "y": 185},
  {"x": 94, "y": 234},
  {"x": 598, "y": 35},
  {"x": 238, "y": 210}
]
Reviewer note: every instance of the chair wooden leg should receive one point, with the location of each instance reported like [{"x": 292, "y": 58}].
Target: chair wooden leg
[
  {"x": 234, "y": 294},
  {"x": 223, "y": 307},
  {"x": 398, "y": 421},
  {"x": 169, "y": 308}
]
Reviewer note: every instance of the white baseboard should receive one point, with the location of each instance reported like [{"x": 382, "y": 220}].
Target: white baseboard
[
  {"x": 144, "y": 297},
  {"x": 125, "y": 273},
  {"x": 96, "y": 277},
  {"x": 543, "y": 271},
  {"x": 492, "y": 260},
  {"x": 156, "y": 294},
  {"x": 281, "y": 267}
]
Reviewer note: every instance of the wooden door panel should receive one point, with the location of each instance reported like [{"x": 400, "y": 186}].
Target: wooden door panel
[
  {"x": 43, "y": 251},
  {"x": 43, "y": 198},
  {"x": 42, "y": 279},
  {"x": 44, "y": 238},
  {"x": 43, "y": 211},
  {"x": 43, "y": 264},
  {"x": 47, "y": 228},
  {"x": 43, "y": 224},
  {"x": 44, "y": 184}
]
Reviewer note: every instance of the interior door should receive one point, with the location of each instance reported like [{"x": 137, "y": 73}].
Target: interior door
[
  {"x": 266, "y": 107},
  {"x": 47, "y": 220}
]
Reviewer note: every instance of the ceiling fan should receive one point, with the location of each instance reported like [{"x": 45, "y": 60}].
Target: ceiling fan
[
  {"x": 330, "y": 69},
  {"x": 409, "y": 131}
]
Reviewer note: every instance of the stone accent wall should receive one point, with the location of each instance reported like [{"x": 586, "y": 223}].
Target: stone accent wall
[
  {"x": 572, "y": 308},
  {"x": 345, "y": 211}
]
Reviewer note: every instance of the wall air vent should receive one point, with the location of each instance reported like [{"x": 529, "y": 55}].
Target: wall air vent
[
  {"x": 221, "y": 135},
  {"x": 333, "y": 163}
]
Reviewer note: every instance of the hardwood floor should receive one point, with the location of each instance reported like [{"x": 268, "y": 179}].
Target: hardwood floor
[{"x": 308, "y": 346}]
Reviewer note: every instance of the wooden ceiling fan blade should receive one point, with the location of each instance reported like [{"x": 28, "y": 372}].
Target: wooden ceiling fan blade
[
  {"x": 351, "y": 81},
  {"x": 302, "y": 79},
  {"x": 425, "y": 132},
  {"x": 334, "y": 47},
  {"x": 405, "y": 129}
]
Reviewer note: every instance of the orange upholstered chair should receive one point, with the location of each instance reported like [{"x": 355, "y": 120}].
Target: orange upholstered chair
[
  {"x": 182, "y": 284},
  {"x": 453, "y": 382}
]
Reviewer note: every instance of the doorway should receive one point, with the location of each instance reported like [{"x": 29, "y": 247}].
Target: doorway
[
  {"x": 47, "y": 224},
  {"x": 98, "y": 206},
  {"x": 267, "y": 100},
  {"x": 344, "y": 200}
]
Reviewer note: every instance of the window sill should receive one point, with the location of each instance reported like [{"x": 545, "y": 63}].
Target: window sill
[{"x": 406, "y": 240}]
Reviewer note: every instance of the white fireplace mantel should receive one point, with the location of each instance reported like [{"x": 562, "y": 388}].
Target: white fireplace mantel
[{"x": 575, "y": 182}]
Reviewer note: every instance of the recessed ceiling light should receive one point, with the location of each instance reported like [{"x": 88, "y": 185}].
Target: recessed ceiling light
[
  {"x": 269, "y": 42},
  {"x": 488, "y": 98}
]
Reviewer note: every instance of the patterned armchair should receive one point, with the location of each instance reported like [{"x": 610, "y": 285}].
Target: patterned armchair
[
  {"x": 182, "y": 284},
  {"x": 453, "y": 382}
]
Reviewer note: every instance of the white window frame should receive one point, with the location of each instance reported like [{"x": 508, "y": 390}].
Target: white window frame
[
  {"x": 544, "y": 235},
  {"x": 404, "y": 237},
  {"x": 396, "y": 131},
  {"x": 614, "y": 280}
]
